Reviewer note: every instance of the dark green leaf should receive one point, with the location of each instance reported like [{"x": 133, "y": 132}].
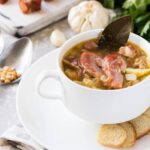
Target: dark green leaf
[
  {"x": 109, "y": 3},
  {"x": 138, "y": 4},
  {"x": 139, "y": 10},
  {"x": 145, "y": 29},
  {"x": 142, "y": 19}
]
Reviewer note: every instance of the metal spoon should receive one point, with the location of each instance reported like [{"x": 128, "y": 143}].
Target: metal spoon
[
  {"x": 116, "y": 34},
  {"x": 1, "y": 42},
  {"x": 17, "y": 55}
]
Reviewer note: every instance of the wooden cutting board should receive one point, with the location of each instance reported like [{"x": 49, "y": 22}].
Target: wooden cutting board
[{"x": 15, "y": 22}]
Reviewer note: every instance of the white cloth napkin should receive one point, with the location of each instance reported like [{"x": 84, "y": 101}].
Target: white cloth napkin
[{"x": 16, "y": 138}]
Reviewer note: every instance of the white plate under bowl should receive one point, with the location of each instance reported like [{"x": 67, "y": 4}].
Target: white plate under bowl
[{"x": 49, "y": 122}]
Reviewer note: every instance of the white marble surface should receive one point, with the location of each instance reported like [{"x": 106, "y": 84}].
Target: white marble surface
[{"x": 42, "y": 45}]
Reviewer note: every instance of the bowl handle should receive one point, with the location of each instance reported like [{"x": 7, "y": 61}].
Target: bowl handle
[{"x": 53, "y": 74}]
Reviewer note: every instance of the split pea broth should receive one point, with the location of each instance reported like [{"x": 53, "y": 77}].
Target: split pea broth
[{"x": 90, "y": 66}]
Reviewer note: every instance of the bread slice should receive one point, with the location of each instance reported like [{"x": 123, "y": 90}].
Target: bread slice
[
  {"x": 141, "y": 125},
  {"x": 131, "y": 134},
  {"x": 147, "y": 112},
  {"x": 112, "y": 135}
]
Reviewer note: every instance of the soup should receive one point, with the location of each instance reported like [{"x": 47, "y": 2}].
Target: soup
[{"x": 88, "y": 65}]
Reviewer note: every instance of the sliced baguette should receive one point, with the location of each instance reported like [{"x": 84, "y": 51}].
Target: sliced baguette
[
  {"x": 147, "y": 113},
  {"x": 112, "y": 135},
  {"x": 131, "y": 134},
  {"x": 141, "y": 125}
]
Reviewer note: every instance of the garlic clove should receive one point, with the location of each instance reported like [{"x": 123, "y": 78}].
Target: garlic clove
[
  {"x": 83, "y": 4},
  {"x": 86, "y": 25},
  {"x": 77, "y": 23},
  {"x": 78, "y": 20},
  {"x": 57, "y": 38},
  {"x": 98, "y": 23},
  {"x": 73, "y": 13}
]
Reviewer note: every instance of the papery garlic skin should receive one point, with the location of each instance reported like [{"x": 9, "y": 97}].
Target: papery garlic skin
[
  {"x": 57, "y": 38},
  {"x": 88, "y": 15}
]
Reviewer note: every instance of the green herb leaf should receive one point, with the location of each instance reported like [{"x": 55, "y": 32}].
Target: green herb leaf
[
  {"x": 142, "y": 19},
  {"x": 145, "y": 29},
  {"x": 139, "y": 10},
  {"x": 109, "y": 3},
  {"x": 138, "y": 4}
]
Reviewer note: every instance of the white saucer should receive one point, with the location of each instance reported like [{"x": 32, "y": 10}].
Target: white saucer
[{"x": 48, "y": 121}]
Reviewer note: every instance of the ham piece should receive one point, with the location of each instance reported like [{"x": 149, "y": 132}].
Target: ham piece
[
  {"x": 108, "y": 70},
  {"x": 91, "y": 45},
  {"x": 91, "y": 63},
  {"x": 128, "y": 51},
  {"x": 3, "y": 1},
  {"x": 28, "y": 6},
  {"x": 113, "y": 66}
]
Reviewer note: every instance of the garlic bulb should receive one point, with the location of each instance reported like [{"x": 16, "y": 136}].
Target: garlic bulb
[
  {"x": 57, "y": 38},
  {"x": 88, "y": 15}
]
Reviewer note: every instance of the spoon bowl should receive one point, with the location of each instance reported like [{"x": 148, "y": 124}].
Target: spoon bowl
[{"x": 18, "y": 55}]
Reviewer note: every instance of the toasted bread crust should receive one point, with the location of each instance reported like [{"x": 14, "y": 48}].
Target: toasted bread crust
[
  {"x": 141, "y": 125},
  {"x": 112, "y": 135},
  {"x": 147, "y": 112},
  {"x": 131, "y": 134}
]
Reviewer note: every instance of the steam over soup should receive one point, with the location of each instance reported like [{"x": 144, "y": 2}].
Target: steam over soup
[{"x": 88, "y": 65}]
